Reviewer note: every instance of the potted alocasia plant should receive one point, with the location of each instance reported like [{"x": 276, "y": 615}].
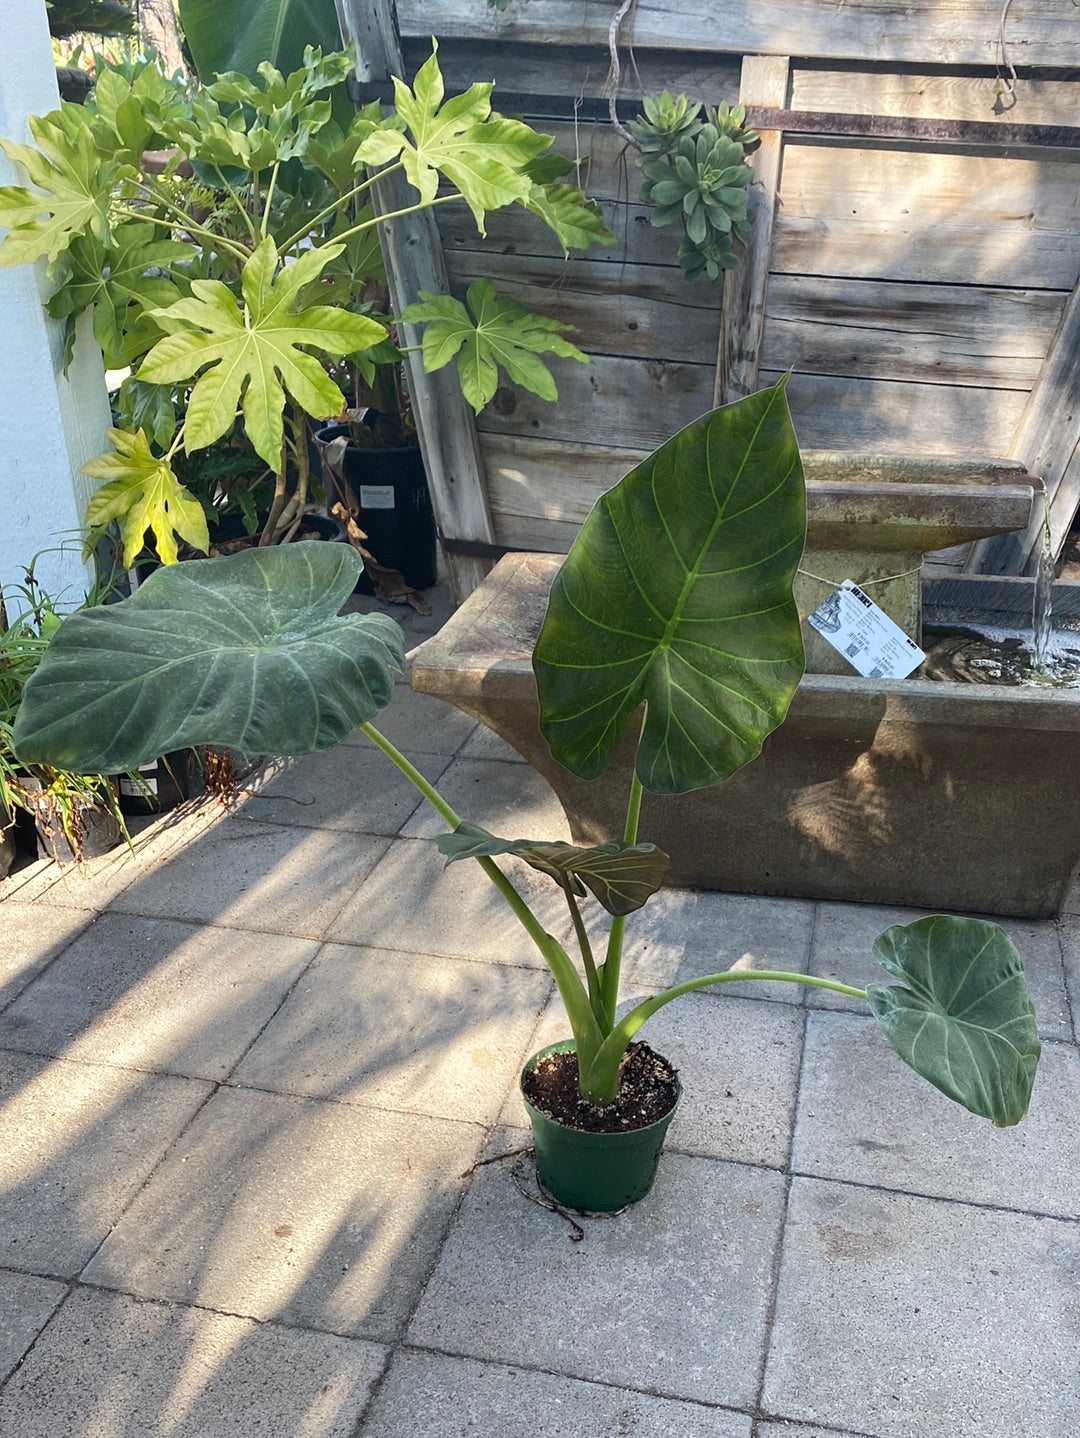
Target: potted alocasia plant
[
  {"x": 671, "y": 627},
  {"x": 223, "y": 237}
]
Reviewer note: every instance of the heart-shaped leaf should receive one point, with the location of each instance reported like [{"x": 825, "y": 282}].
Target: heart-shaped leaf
[
  {"x": 247, "y": 651},
  {"x": 677, "y": 593},
  {"x": 964, "y": 1019},
  {"x": 622, "y": 876}
]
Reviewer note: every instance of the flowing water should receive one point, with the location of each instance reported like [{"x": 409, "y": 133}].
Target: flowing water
[{"x": 1042, "y": 603}]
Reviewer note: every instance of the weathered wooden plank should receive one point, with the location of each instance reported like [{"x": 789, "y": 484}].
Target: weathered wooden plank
[
  {"x": 1045, "y": 440},
  {"x": 918, "y": 129},
  {"x": 959, "y": 334},
  {"x": 413, "y": 258},
  {"x": 542, "y": 74},
  {"x": 613, "y": 401},
  {"x": 832, "y": 412},
  {"x": 907, "y": 215},
  {"x": 642, "y": 311},
  {"x": 742, "y": 313},
  {"x": 542, "y": 490},
  {"x": 945, "y": 97},
  {"x": 960, "y": 32},
  {"x": 515, "y": 232}
]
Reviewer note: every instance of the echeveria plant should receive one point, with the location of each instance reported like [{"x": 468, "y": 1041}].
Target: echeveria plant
[{"x": 672, "y": 618}]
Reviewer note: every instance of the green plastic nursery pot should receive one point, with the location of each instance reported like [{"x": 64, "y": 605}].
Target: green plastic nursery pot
[{"x": 597, "y": 1172}]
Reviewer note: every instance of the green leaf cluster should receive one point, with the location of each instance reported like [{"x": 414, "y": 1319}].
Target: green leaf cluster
[
  {"x": 223, "y": 238},
  {"x": 696, "y": 173}
]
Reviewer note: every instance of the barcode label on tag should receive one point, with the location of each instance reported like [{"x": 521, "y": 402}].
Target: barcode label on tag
[
  {"x": 855, "y": 627},
  {"x": 376, "y": 496}
]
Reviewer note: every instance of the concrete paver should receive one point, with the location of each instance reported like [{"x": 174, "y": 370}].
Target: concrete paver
[
  {"x": 351, "y": 787},
  {"x": 321, "y": 1215},
  {"x": 866, "y": 1117},
  {"x": 429, "y": 1395},
  {"x": 26, "y": 1304},
  {"x": 246, "y": 1075},
  {"x": 268, "y": 877},
  {"x": 683, "y": 934},
  {"x": 77, "y": 1142},
  {"x": 911, "y": 1318},
  {"x": 413, "y": 1032},
  {"x": 108, "y": 1365},
  {"x": 492, "y": 791},
  {"x": 33, "y": 936},
  {"x": 416, "y": 902},
  {"x": 157, "y": 994},
  {"x": 670, "y": 1297}
]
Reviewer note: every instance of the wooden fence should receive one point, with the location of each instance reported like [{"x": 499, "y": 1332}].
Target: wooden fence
[{"x": 916, "y": 253}]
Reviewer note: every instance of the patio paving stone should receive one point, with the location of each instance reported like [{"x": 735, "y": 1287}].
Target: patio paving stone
[
  {"x": 77, "y": 1142},
  {"x": 683, "y": 934},
  {"x": 26, "y": 1304},
  {"x": 511, "y": 800},
  {"x": 353, "y": 787},
  {"x": 866, "y": 1117},
  {"x": 157, "y": 994},
  {"x": 670, "y": 1297},
  {"x": 266, "y": 877},
  {"x": 426, "y": 1035},
  {"x": 33, "y": 936},
  {"x": 484, "y": 743},
  {"x": 427, "y": 1395},
  {"x": 739, "y": 1064},
  {"x": 413, "y": 900},
  {"x": 1070, "y": 947},
  {"x": 420, "y": 723},
  {"x": 908, "y": 1317},
  {"x": 800, "y": 1430},
  {"x": 843, "y": 944},
  {"x": 319, "y": 1214},
  {"x": 107, "y": 1365}
]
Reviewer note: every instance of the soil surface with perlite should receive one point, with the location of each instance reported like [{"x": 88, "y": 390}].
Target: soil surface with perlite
[{"x": 648, "y": 1089}]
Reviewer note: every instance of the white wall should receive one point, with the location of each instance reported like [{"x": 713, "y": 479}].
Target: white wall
[{"x": 49, "y": 425}]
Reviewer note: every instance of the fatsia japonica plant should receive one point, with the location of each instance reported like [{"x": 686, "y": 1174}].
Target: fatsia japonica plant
[
  {"x": 671, "y": 621},
  {"x": 223, "y": 237}
]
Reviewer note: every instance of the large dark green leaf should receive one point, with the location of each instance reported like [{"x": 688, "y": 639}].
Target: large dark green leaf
[
  {"x": 677, "y": 593},
  {"x": 247, "y": 651},
  {"x": 242, "y": 34},
  {"x": 621, "y": 876},
  {"x": 964, "y": 1018}
]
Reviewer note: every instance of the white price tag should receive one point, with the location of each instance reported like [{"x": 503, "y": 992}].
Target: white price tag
[
  {"x": 865, "y": 635},
  {"x": 376, "y": 496}
]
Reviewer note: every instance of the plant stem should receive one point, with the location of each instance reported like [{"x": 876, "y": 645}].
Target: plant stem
[
  {"x": 238, "y": 202},
  {"x": 586, "y": 950},
  {"x": 603, "y": 1075},
  {"x": 611, "y": 971},
  {"x": 334, "y": 208},
  {"x": 587, "y": 1036},
  {"x": 268, "y": 198},
  {"x": 395, "y": 215},
  {"x": 185, "y": 224}
]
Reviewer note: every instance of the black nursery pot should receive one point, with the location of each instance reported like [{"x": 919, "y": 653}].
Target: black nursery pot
[{"x": 395, "y": 507}]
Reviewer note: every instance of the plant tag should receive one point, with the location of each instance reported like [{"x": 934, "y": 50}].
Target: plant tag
[
  {"x": 376, "y": 496},
  {"x": 865, "y": 635}
]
